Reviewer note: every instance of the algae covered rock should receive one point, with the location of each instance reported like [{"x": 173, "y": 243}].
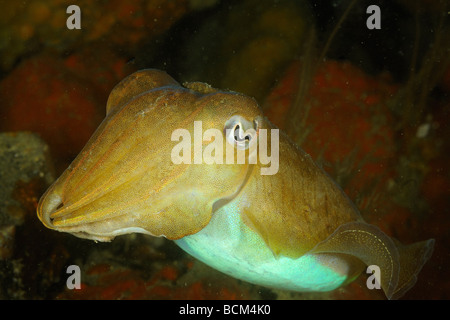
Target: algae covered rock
[
  {"x": 32, "y": 25},
  {"x": 25, "y": 171}
]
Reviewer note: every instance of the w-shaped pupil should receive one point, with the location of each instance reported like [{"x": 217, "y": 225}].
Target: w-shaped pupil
[{"x": 238, "y": 134}]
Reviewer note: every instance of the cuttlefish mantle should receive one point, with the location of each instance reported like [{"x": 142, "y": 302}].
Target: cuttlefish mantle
[{"x": 294, "y": 230}]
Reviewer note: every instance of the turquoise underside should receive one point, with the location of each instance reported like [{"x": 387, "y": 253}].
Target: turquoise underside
[{"x": 229, "y": 246}]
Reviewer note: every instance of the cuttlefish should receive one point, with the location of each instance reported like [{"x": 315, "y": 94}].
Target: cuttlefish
[{"x": 293, "y": 229}]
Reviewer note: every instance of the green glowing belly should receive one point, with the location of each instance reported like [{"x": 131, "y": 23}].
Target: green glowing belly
[{"x": 228, "y": 245}]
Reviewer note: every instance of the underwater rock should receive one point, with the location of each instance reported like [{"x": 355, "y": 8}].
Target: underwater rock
[
  {"x": 249, "y": 43},
  {"x": 23, "y": 157},
  {"x": 23, "y": 160},
  {"x": 29, "y": 26},
  {"x": 43, "y": 96},
  {"x": 31, "y": 261},
  {"x": 6, "y": 241}
]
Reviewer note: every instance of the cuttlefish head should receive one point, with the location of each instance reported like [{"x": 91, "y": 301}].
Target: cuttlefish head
[{"x": 148, "y": 169}]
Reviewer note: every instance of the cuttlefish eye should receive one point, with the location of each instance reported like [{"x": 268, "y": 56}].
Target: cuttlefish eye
[{"x": 240, "y": 132}]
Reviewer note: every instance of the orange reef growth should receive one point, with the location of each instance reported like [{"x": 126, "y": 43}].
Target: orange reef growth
[
  {"x": 62, "y": 101},
  {"x": 343, "y": 122},
  {"x": 104, "y": 281}
]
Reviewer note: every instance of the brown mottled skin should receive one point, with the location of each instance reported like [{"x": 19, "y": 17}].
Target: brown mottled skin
[{"x": 124, "y": 181}]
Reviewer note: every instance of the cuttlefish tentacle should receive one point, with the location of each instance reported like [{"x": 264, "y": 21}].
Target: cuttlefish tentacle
[
  {"x": 87, "y": 187},
  {"x": 128, "y": 89},
  {"x": 143, "y": 111},
  {"x": 103, "y": 181},
  {"x": 293, "y": 229}
]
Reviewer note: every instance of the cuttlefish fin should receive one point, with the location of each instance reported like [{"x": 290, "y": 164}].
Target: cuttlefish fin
[
  {"x": 398, "y": 264},
  {"x": 135, "y": 84},
  {"x": 412, "y": 259}
]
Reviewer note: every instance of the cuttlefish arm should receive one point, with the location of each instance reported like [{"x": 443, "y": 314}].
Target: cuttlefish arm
[
  {"x": 293, "y": 229},
  {"x": 124, "y": 179}
]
